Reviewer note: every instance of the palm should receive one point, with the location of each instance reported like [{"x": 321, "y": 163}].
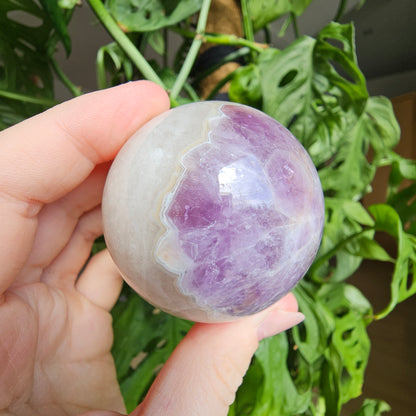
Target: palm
[
  {"x": 65, "y": 341},
  {"x": 57, "y": 356}
]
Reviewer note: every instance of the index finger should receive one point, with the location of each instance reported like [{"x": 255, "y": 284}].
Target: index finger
[{"x": 45, "y": 157}]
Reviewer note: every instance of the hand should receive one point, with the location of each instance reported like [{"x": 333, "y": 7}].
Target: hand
[{"x": 55, "y": 324}]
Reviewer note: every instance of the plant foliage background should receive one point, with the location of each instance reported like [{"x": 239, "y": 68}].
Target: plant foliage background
[{"x": 314, "y": 87}]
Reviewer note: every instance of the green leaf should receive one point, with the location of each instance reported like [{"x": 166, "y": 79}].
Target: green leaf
[
  {"x": 150, "y": 15},
  {"x": 382, "y": 127},
  {"x": 250, "y": 390},
  {"x": 286, "y": 78},
  {"x": 403, "y": 283},
  {"x": 113, "y": 66},
  {"x": 279, "y": 393},
  {"x": 350, "y": 173},
  {"x": 59, "y": 21},
  {"x": 263, "y": 12},
  {"x": 245, "y": 86},
  {"x": 349, "y": 350},
  {"x": 402, "y": 190},
  {"x": 387, "y": 220},
  {"x": 311, "y": 337},
  {"x": 367, "y": 248},
  {"x": 353, "y": 210},
  {"x": 144, "y": 338},
  {"x": 157, "y": 42},
  {"x": 337, "y": 259},
  {"x": 373, "y": 407}
]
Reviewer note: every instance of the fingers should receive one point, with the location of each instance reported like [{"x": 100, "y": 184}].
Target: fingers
[
  {"x": 101, "y": 281},
  {"x": 49, "y": 155},
  {"x": 63, "y": 271},
  {"x": 204, "y": 372},
  {"x": 57, "y": 221}
]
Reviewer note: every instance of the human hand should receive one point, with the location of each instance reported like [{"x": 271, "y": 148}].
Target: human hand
[{"x": 55, "y": 323}]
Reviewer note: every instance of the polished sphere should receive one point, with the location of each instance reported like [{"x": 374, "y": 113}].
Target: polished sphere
[{"x": 213, "y": 211}]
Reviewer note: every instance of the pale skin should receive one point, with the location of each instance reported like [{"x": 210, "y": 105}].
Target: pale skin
[{"x": 55, "y": 324}]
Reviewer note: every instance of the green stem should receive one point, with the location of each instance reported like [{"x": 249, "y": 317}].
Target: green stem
[
  {"x": 295, "y": 25},
  {"x": 341, "y": 10},
  {"x": 284, "y": 27},
  {"x": 193, "y": 51},
  {"x": 47, "y": 102},
  {"x": 73, "y": 89},
  {"x": 124, "y": 42},
  {"x": 222, "y": 39},
  {"x": 247, "y": 23},
  {"x": 166, "y": 47},
  {"x": 100, "y": 69},
  {"x": 191, "y": 92},
  {"x": 267, "y": 36}
]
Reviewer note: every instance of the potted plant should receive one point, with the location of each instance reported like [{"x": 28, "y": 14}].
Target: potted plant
[{"x": 313, "y": 86}]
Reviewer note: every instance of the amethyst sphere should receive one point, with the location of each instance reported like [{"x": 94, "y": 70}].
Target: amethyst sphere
[{"x": 213, "y": 211}]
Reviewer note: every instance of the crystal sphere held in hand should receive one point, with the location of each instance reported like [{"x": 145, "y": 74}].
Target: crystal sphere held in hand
[{"x": 213, "y": 211}]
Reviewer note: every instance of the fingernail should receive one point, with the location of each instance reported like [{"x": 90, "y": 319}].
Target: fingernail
[{"x": 278, "y": 321}]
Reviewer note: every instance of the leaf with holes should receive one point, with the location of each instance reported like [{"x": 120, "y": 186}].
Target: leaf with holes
[
  {"x": 349, "y": 173},
  {"x": 311, "y": 337},
  {"x": 150, "y": 15},
  {"x": 272, "y": 356},
  {"x": 403, "y": 283},
  {"x": 350, "y": 345},
  {"x": 314, "y": 87}
]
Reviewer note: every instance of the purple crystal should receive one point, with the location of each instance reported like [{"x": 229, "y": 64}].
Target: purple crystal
[{"x": 247, "y": 213}]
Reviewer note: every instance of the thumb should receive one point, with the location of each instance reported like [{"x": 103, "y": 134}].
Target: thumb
[{"x": 204, "y": 372}]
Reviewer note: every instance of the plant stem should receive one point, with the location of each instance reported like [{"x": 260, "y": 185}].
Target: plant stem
[
  {"x": 267, "y": 36},
  {"x": 247, "y": 23},
  {"x": 223, "y": 39},
  {"x": 295, "y": 25},
  {"x": 193, "y": 51},
  {"x": 100, "y": 69},
  {"x": 73, "y": 89},
  {"x": 191, "y": 92},
  {"x": 47, "y": 102},
  {"x": 341, "y": 10},
  {"x": 124, "y": 42},
  {"x": 166, "y": 47}
]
